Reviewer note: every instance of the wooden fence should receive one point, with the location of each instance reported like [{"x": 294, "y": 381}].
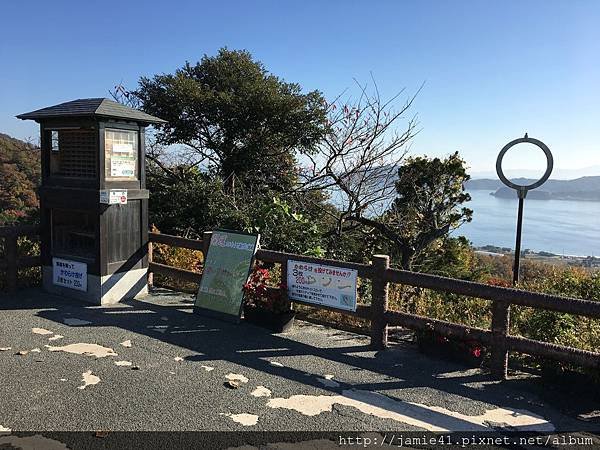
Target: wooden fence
[
  {"x": 381, "y": 275},
  {"x": 379, "y": 272},
  {"x": 12, "y": 262}
]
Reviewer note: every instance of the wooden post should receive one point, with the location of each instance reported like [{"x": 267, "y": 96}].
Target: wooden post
[
  {"x": 284, "y": 282},
  {"x": 150, "y": 257},
  {"x": 500, "y": 325},
  {"x": 379, "y": 302},
  {"x": 284, "y": 273},
  {"x": 205, "y": 244},
  {"x": 10, "y": 246}
]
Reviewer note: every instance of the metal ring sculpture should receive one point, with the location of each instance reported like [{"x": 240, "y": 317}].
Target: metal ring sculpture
[{"x": 522, "y": 189}]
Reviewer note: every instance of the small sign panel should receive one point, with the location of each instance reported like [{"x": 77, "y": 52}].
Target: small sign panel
[
  {"x": 226, "y": 269},
  {"x": 113, "y": 197},
  {"x": 121, "y": 167},
  {"x": 322, "y": 285},
  {"x": 126, "y": 148},
  {"x": 69, "y": 274}
]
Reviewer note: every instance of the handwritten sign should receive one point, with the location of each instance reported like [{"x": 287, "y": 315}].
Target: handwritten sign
[
  {"x": 226, "y": 269},
  {"x": 322, "y": 285},
  {"x": 69, "y": 274}
]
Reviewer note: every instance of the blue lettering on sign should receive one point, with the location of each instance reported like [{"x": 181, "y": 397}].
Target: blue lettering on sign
[{"x": 70, "y": 274}]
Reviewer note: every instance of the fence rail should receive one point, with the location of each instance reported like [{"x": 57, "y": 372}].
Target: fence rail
[
  {"x": 12, "y": 262},
  {"x": 497, "y": 337}
]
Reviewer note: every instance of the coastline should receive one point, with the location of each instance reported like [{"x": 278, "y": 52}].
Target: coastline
[
  {"x": 588, "y": 261},
  {"x": 550, "y": 196}
]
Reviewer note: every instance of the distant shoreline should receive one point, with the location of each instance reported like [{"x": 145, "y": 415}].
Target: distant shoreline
[
  {"x": 543, "y": 256},
  {"x": 541, "y": 195},
  {"x": 581, "y": 189}
]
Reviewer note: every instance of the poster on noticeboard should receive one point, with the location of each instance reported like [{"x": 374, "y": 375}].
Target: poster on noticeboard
[{"x": 322, "y": 285}]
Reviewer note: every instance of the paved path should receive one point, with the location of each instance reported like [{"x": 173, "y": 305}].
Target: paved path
[{"x": 314, "y": 378}]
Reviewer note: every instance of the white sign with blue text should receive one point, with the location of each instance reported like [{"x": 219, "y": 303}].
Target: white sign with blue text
[{"x": 69, "y": 274}]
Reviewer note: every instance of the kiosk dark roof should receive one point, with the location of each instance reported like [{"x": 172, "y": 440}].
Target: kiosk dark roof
[{"x": 92, "y": 107}]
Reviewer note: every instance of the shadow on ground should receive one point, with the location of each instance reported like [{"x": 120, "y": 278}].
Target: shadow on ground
[{"x": 166, "y": 316}]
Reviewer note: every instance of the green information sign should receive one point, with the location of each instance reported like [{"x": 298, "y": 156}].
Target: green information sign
[{"x": 226, "y": 269}]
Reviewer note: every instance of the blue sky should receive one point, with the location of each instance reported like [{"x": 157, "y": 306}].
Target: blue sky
[{"x": 493, "y": 70}]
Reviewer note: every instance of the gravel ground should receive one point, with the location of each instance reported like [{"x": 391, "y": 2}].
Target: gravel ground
[{"x": 168, "y": 386}]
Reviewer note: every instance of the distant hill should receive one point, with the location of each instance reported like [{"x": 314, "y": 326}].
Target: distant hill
[
  {"x": 558, "y": 173},
  {"x": 584, "y": 188},
  {"x": 19, "y": 178}
]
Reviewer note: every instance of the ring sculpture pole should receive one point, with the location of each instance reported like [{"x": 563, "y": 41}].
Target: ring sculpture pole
[{"x": 522, "y": 190}]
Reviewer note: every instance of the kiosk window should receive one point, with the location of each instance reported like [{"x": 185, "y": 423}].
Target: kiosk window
[
  {"x": 73, "y": 233},
  {"x": 73, "y": 153},
  {"x": 54, "y": 140},
  {"x": 121, "y": 151}
]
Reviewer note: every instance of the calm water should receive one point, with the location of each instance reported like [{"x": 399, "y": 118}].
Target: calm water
[{"x": 557, "y": 226}]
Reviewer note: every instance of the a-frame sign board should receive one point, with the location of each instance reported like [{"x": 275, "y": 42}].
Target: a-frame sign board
[{"x": 227, "y": 265}]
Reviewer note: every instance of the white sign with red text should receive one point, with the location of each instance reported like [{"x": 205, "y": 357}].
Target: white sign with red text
[
  {"x": 322, "y": 285},
  {"x": 113, "y": 197}
]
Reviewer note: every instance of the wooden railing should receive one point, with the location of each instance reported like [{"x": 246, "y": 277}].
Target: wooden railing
[
  {"x": 497, "y": 338},
  {"x": 379, "y": 272},
  {"x": 11, "y": 263}
]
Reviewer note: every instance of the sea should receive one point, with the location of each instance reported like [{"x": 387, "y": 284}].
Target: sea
[{"x": 563, "y": 227}]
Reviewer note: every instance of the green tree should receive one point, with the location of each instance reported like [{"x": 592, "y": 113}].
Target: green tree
[
  {"x": 201, "y": 202},
  {"x": 428, "y": 206},
  {"x": 235, "y": 118},
  {"x": 227, "y": 156}
]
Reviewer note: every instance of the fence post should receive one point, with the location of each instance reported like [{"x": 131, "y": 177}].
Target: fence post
[
  {"x": 150, "y": 256},
  {"x": 500, "y": 325},
  {"x": 284, "y": 273},
  {"x": 379, "y": 302},
  {"x": 10, "y": 246},
  {"x": 205, "y": 244}
]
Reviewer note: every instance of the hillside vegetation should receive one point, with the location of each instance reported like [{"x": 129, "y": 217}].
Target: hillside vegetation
[{"x": 20, "y": 174}]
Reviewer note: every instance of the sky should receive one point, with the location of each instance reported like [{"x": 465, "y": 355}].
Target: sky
[{"x": 492, "y": 70}]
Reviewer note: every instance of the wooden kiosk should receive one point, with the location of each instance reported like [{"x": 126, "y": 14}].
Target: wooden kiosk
[{"x": 93, "y": 199}]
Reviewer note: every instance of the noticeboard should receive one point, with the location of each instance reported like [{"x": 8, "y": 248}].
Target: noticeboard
[
  {"x": 322, "y": 285},
  {"x": 226, "y": 269}
]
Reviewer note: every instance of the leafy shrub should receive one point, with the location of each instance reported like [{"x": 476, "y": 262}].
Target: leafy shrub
[{"x": 258, "y": 293}]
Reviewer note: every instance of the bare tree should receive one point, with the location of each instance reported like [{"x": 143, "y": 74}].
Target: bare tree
[
  {"x": 357, "y": 162},
  {"x": 124, "y": 96}
]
